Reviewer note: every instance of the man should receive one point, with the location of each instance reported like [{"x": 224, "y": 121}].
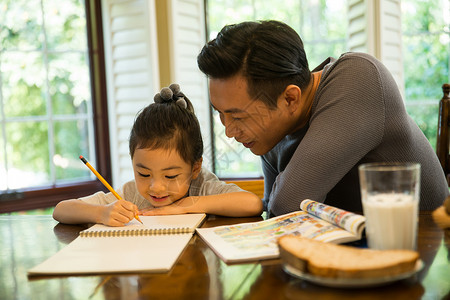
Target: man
[{"x": 312, "y": 129}]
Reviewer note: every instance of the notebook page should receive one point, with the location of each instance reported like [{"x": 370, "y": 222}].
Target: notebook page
[{"x": 153, "y": 253}]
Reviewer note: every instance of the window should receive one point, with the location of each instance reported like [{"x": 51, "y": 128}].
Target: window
[
  {"x": 426, "y": 55},
  {"x": 322, "y": 26},
  {"x": 51, "y": 109}
]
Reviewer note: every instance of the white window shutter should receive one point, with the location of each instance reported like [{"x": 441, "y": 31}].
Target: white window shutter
[
  {"x": 186, "y": 39},
  {"x": 131, "y": 61},
  {"x": 375, "y": 28}
]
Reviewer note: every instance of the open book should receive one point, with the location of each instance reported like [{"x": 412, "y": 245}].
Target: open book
[
  {"x": 152, "y": 247},
  {"x": 258, "y": 240}
]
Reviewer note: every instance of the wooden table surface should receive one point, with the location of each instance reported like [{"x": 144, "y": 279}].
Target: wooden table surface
[{"x": 199, "y": 274}]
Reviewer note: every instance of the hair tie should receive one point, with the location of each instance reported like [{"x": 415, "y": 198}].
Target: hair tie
[
  {"x": 175, "y": 88},
  {"x": 169, "y": 94},
  {"x": 181, "y": 102}
]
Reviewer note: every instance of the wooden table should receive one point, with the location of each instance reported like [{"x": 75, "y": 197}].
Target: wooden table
[{"x": 199, "y": 273}]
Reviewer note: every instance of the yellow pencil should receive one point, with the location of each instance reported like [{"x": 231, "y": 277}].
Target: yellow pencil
[{"x": 105, "y": 183}]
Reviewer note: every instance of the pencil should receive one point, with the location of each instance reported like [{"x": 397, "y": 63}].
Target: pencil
[{"x": 105, "y": 182}]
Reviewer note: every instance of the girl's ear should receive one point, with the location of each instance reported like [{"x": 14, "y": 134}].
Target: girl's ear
[{"x": 196, "y": 168}]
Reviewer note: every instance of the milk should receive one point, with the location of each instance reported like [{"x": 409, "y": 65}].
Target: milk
[{"x": 391, "y": 221}]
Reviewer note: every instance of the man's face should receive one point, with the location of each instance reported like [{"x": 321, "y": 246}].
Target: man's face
[{"x": 249, "y": 121}]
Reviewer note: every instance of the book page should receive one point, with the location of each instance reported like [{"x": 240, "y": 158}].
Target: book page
[
  {"x": 188, "y": 221},
  {"x": 258, "y": 240},
  {"x": 349, "y": 221}
]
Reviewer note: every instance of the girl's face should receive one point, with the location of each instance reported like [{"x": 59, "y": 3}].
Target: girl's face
[{"x": 162, "y": 176}]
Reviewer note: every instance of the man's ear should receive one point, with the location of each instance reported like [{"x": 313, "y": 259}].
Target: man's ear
[
  {"x": 292, "y": 96},
  {"x": 196, "y": 168}
]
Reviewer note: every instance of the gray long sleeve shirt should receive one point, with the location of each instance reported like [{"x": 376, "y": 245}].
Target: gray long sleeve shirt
[{"x": 358, "y": 116}]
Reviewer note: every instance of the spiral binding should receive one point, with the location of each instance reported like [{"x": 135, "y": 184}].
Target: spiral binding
[{"x": 135, "y": 232}]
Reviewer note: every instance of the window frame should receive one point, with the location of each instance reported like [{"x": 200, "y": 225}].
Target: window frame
[{"x": 48, "y": 196}]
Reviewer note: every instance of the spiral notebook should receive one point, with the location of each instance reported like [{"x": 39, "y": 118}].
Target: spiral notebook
[{"x": 134, "y": 248}]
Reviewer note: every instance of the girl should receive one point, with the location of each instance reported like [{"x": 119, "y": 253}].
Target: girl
[{"x": 166, "y": 149}]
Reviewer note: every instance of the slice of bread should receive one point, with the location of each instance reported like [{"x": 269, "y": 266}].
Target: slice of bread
[{"x": 338, "y": 261}]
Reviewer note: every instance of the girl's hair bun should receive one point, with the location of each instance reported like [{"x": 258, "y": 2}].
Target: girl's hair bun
[
  {"x": 175, "y": 88},
  {"x": 169, "y": 94}
]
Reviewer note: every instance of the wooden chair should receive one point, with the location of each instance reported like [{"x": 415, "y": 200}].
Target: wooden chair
[
  {"x": 442, "y": 144},
  {"x": 255, "y": 186}
]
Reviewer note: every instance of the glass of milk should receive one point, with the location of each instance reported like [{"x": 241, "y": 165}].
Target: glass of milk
[{"x": 390, "y": 199}]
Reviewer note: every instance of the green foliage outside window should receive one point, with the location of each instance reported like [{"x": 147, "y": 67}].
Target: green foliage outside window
[
  {"x": 426, "y": 54},
  {"x": 44, "y": 92},
  {"x": 323, "y": 28}
]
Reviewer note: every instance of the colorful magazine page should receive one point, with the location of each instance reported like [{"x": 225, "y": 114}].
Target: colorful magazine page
[
  {"x": 258, "y": 240},
  {"x": 349, "y": 221}
]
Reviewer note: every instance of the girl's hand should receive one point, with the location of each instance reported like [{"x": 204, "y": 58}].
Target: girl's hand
[{"x": 118, "y": 213}]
